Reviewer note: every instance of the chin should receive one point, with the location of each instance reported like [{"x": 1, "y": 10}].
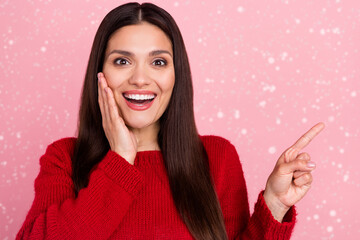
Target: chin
[{"x": 138, "y": 123}]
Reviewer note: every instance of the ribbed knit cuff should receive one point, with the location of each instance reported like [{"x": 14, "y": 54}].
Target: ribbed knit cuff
[
  {"x": 274, "y": 229},
  {"x": 122, "y": 172}
]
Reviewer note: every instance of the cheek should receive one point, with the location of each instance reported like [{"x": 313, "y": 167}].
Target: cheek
[
  {"x": 167, "y": 84},
  {"x": 113, "y": 79}
]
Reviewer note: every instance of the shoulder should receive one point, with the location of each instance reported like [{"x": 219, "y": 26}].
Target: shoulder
[
  {"x": 217, "y": 144},
  {"x": 210, "y": 141},
  {"x": 224, "y": 162},
  {"x": 65, "y": 145},
  {"x": 221, "y": 152},
  {"x": 58, "y": 154}
]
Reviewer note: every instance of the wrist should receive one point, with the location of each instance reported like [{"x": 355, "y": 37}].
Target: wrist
[
  {"x": 276, "y": 207},
  {"x": 129, "y": 157}
]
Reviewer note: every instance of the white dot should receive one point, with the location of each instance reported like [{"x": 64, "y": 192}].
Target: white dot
[
  {"x": 243, "y": 131},
  {"x": 304, "y": 120},
  {"x": 272, "y": 150},
  {"x": 262, "y": 104},
  {"x": 344, "y": 79},
  {"x": 353, "y": 94},
  {"x": 336, "y": 30},
  {"x": 43, "y": 49},
  {"x": 338, "y": 220},
  {"x": 331, "y": 148},
  {"x": 18, "y": 134},
  {"x": 220, "y": 114},
  {"x": 236, "y": 52},
  {"x": 284, "y": 55},
  {"x": 329, "y": 228},
  {"x": 277, "y": 68},
  {"x": 240, "y": 9},
  {"x": 176, "y": 4},
  {"x": 341, "y": 150},
  {"x": 322, "y": 31},
  {"x": 271, "y": 60},
  {"x": 278, "y": 121},
  {"x": 311, "y": 30},
  {"x": 237, "y": 114},
  {"x": 297, "y": 21},
  {"x": 346, "y": 177},
  {"x": 11, "y": 42},
  {"x": 339, "y": 165},
  {"x": 316, "y": 217},
  {"x": 331, "y": 118},
  {"x": 1, "y": 138},
  {"x": 333, "y": 213}
]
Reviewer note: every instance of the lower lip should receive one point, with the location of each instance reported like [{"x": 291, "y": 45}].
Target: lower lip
[{"x": 141, "y": 107}]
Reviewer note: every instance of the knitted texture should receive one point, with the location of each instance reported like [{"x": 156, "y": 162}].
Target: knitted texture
[{"x": 124, "y": 201}]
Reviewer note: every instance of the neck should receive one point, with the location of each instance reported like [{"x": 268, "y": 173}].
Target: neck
[{"x": 147, "y": 137}]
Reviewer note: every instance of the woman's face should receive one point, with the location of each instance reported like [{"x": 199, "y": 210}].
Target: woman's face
[{"x": 138, "y": 67}]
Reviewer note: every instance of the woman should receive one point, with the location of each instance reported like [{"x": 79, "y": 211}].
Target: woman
[{"x": 138, "y": 168}]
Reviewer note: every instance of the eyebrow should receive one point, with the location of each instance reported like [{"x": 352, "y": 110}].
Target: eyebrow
[{"x": 130, "y": 54}]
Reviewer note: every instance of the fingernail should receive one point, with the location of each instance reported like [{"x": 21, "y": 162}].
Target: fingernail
[
  {"x": 311, "y": 165},
  {"x": 98, "y": 76}
]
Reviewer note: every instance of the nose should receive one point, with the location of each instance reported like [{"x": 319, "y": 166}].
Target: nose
[{"x": 140, "y": 77}]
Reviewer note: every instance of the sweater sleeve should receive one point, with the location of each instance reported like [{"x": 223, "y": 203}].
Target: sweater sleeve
[
  {"x": 97, "y": 210},
  {"x": 232, "y": 193}
]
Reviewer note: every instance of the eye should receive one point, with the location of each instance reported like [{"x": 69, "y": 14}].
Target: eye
[
  {"x": 121, "y": 61},
  {"x": 159, "y": 62}
]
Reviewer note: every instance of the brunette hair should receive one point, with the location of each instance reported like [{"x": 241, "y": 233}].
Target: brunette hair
[{"x": 184, "y": 155}]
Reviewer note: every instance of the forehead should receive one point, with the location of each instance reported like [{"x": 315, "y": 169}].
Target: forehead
[{"x": 139, "y": 38}]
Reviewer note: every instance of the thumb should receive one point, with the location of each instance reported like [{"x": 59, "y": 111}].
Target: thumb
[{"x": 297, "y": 165}]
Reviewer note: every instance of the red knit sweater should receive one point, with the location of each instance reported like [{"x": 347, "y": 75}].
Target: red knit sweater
[{"x": 124, "y": 201}]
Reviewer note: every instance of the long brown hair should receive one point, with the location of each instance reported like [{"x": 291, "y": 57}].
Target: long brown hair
[{"x": 185, "y": 158}]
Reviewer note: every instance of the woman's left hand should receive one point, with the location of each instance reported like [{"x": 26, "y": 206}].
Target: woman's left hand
[{"x": 291, "y": 177}]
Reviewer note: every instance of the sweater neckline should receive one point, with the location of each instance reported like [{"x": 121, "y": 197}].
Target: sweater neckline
[{"x": 148, "y": 157}]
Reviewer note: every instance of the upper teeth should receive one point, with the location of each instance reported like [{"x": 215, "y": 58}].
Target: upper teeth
[{"x": 140, "y": 96}]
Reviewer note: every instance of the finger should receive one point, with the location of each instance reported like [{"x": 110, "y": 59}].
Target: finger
[
  {"x": 296, "y": 165},
  {"x": 113, "y": 110},
  {"x": 305, "y": 139},
  {"x": 298, "y": 174},
  {"x": 104, "y": 98},
  {"x": 302, "y": 156},
  {"x": 101, "y": 96},
  {"x": 305, "y": 179},
  {"x": 291, "y": 153}
]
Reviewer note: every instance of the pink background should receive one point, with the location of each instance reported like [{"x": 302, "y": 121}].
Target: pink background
[{"x": 264, "y": 72}]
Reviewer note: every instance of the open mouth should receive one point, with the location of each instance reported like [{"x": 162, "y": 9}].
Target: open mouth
[{"x": 139, "y": 101}]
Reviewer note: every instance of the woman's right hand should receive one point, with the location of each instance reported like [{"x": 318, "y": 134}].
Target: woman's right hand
[{"x": 121, "y": 139}]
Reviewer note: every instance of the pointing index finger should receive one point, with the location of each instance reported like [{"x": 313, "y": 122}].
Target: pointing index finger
[{"x": 305, "y": 139}]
